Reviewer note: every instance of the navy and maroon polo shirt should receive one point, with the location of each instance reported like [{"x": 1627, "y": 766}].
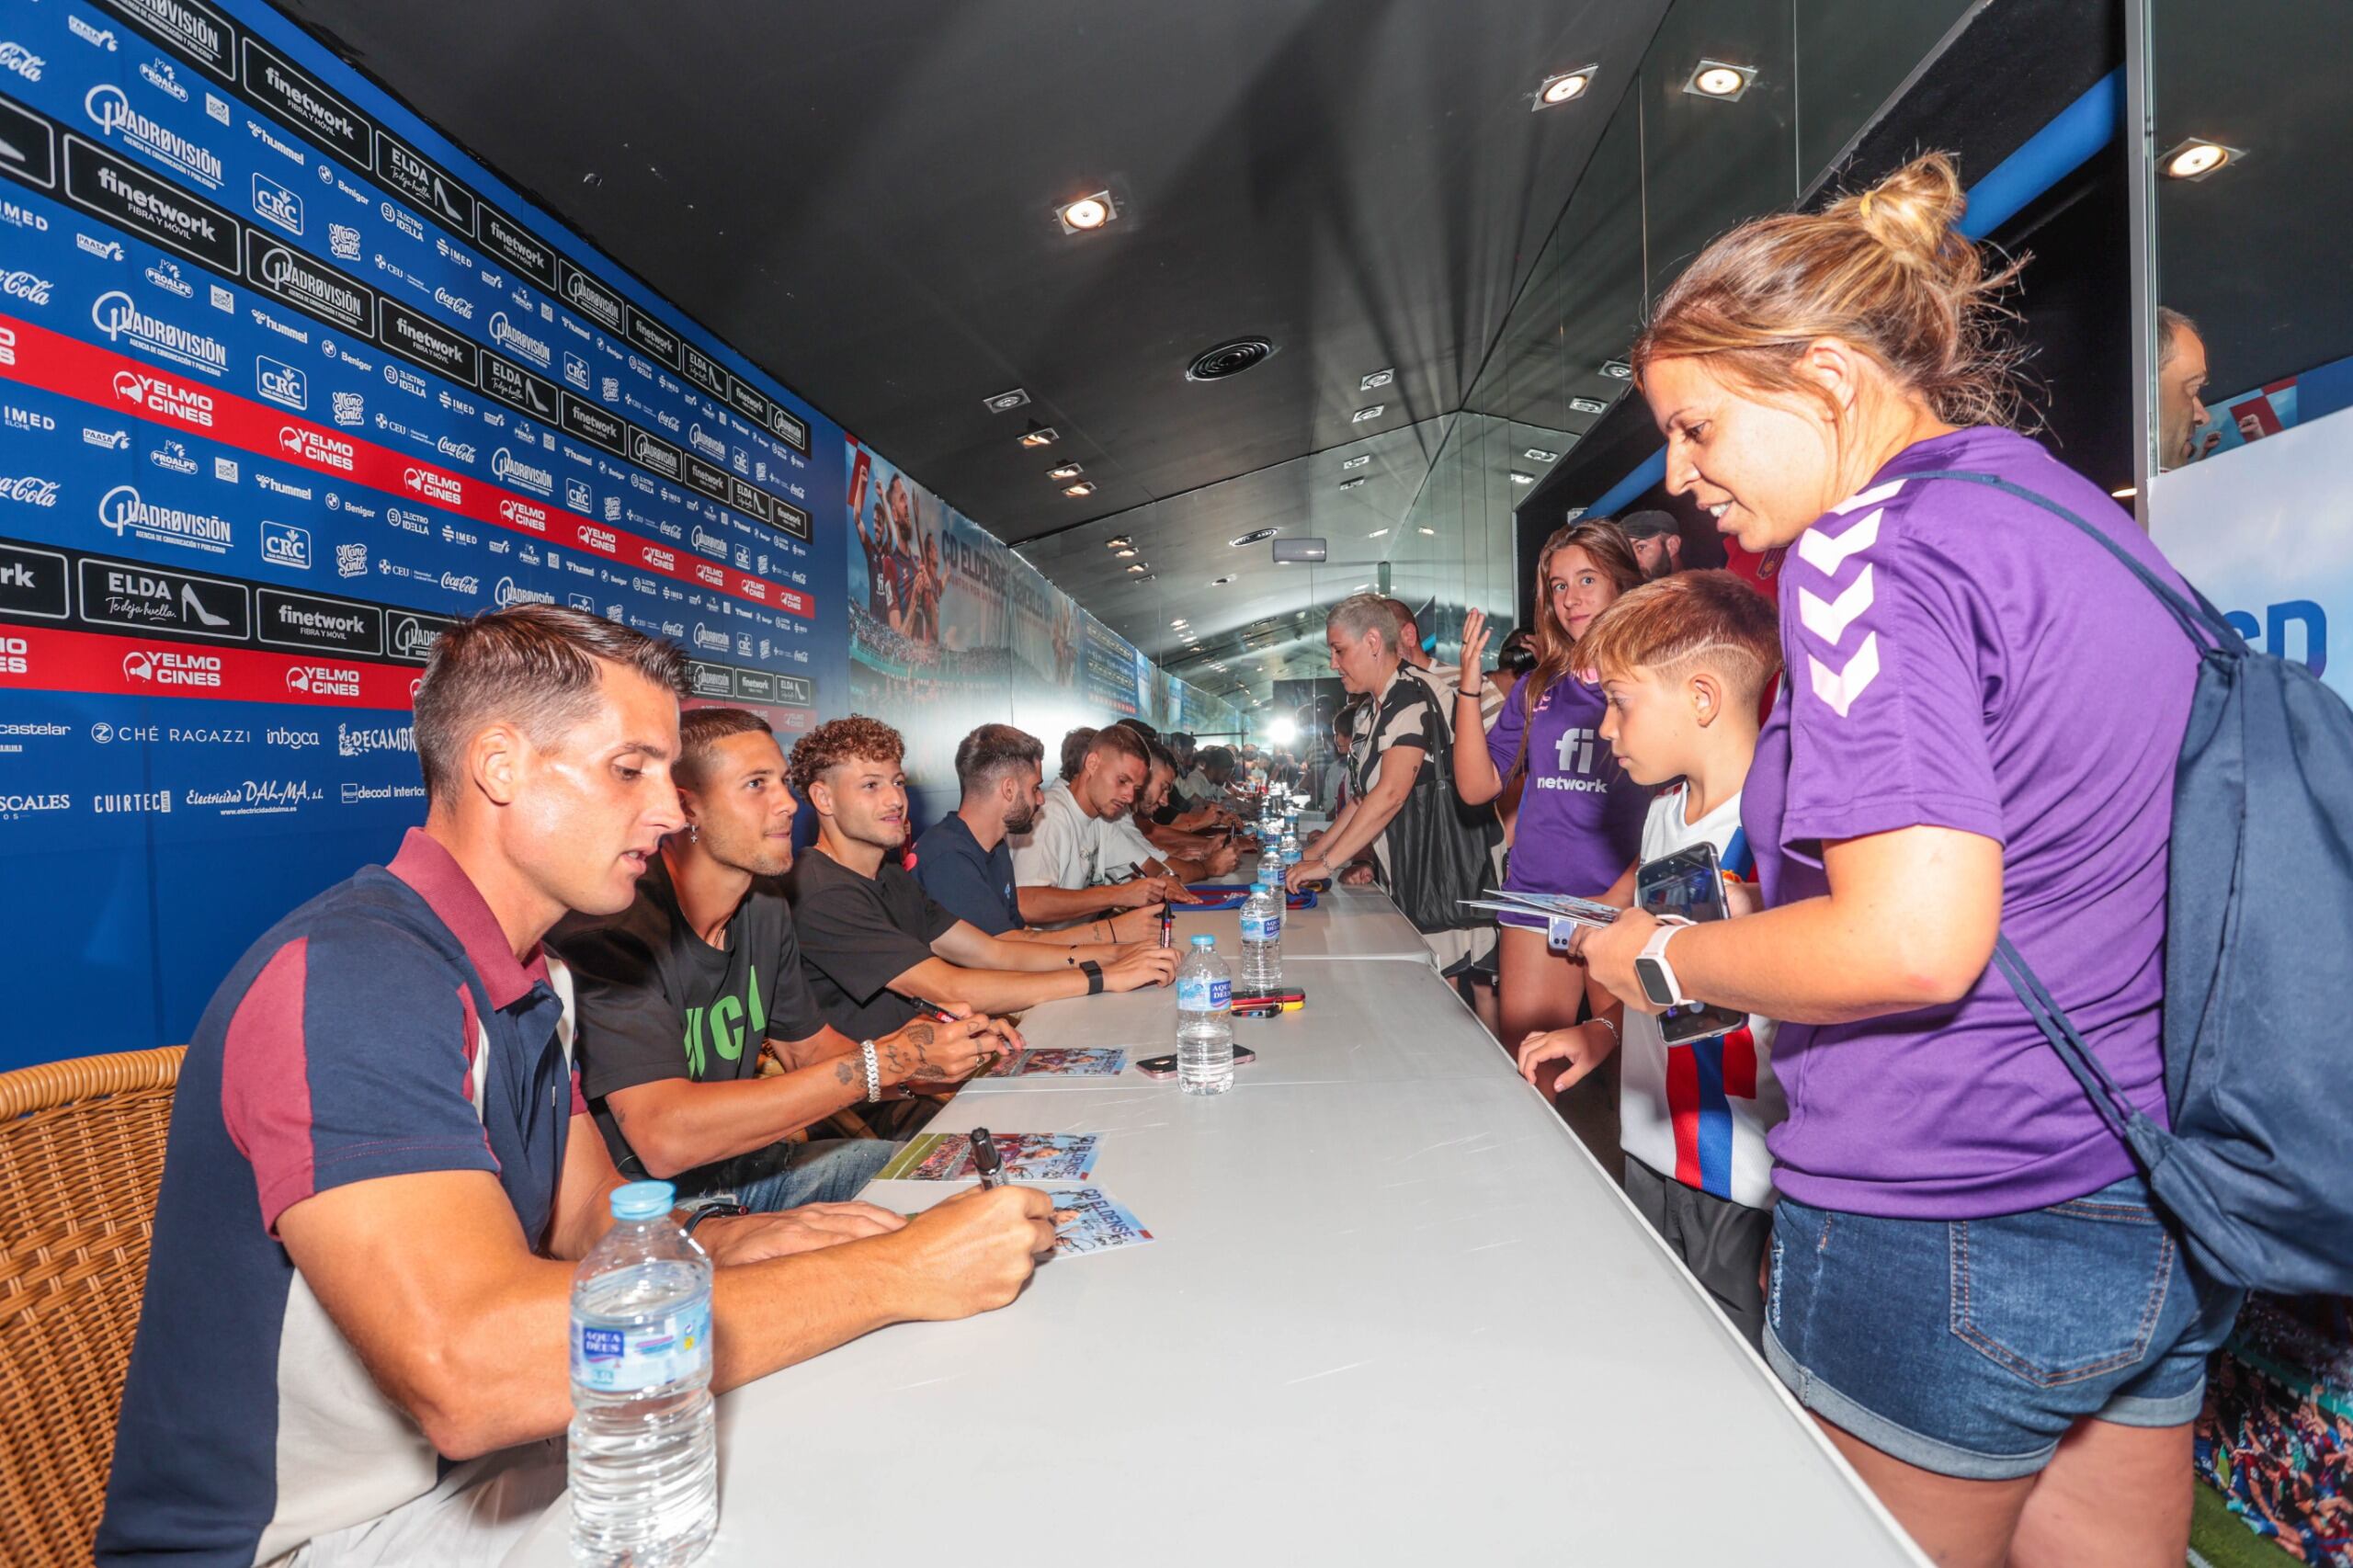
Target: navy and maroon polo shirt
[{"x": 383, "y": 1028}]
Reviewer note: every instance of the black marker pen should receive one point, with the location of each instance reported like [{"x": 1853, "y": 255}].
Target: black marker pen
[{"x": 984, "y": 1160}]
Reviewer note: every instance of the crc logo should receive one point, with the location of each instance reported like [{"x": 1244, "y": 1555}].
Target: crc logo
[{"x": 281, "y": 382}]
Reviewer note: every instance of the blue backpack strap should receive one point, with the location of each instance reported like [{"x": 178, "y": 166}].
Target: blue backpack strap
[{"x": 2200, "y": 622}]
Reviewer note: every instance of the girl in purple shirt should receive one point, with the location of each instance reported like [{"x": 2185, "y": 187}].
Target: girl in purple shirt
[
  {"x": 1580, "y": 817},
  {"x": 1970, "y": 1285}
]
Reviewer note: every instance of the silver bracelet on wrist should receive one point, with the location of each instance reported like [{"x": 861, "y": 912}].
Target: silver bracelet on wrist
[
  {"x": 873, "y": 1071},
  {"x": 1614, "y": 1032}
]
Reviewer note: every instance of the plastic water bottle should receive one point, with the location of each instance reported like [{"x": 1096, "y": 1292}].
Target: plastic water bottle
[
  {"x": 1289, "y": 851},
  {"x": 1262, "y": 938},
  {"x": 1204, "y": 1021},
  {"x": 645, "y": 1451}
]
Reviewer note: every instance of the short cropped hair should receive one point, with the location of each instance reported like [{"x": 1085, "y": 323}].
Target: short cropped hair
[
  {"x": 1120, "y": 740},
  {"x": 1161, "y": 757},
  {"x": 700, "y": 730},
  {"x": 1691, "y": 620},
  {"x": 855, "y": 739},
  {"x": 537, "y": 666},
  {"x": 2171, "y": 324},
  {"x": 1216, "y": 757},
  {"x": 1075, "y": 744},
  {"x": 1139, "y": 727},
  {"x": 1361, "y": 613},
  {"x": 991, "y": 752}
]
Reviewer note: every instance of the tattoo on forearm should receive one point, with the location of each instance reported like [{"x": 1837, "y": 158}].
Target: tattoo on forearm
[{"x": 843, "y": 1072}]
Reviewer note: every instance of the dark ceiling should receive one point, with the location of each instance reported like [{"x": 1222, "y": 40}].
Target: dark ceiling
[{"x": 861, "y": 198}]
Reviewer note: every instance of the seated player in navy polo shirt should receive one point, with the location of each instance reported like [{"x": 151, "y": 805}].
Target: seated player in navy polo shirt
[
  {"x": 965, "y": 860},
  {"x": 684, "y": 993},
  {"x": 381, "y": 1171},
  {"x": 877, "y": 949}
]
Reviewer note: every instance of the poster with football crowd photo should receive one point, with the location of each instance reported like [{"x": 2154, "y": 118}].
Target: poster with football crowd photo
[
  {"x": 950, "y": 629},
  {"x": 287, "y": 384}
]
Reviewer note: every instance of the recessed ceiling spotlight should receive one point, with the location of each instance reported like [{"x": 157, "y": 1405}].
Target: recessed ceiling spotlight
[
  {"x": 1376, "y": 533},
  {"x": 1118, "y": 542},
  {"x": 1519, "y": 478},
  {"x": 1253, "y": 537},
  {"x": 1087, "y": 213},
  {"x": 1126, "y": 554},
  {"x": 1178, "y": 622},
  {"x": 1084, "y": 487},
  {"x": 2194, "y": 159},
  {"x": 1357, "y": 461},
  {"x": 1040, "y": 436},
  {"x": 1006, "y": 402},
  {"x": 1427, "y": 530},
  {"x": 1566, "y": 86},
  {"x": 1136, "y": 566},
  {"x": 1618, "y": 369},
  {"x": 1229, "y": 359},
  {"x": 1572, "y": 514},
  {"x": 1716, "y": 79},
  {"x": 1377, "y": 380},
  {"x": 1539, "y": 455},
  {"x": 1068, "y": 471},
  {"x": 1588, "y": 406},
  {"x": 1351, "y": 484},
  {"x": 1362, "y": 415}
]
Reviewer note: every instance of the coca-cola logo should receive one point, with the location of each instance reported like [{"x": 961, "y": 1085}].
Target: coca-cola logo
[{"x": 29, "y": 490}]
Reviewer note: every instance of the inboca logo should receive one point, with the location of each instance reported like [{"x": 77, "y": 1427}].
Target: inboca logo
[
  {"x": 189, "y": 405},
  {"x": 281, "y": 382},
  {"x": 317, "y": 447},
  {"x": 441, "y": 488},
  {"x": 509, "y": 593},
  {"x": 508, "y": 469},
  {"x": 171, "y": 666},
  {"x": 515, "y": 340},
  {"x": 323, "y": 680},
  {"x": 291, "y": 740},
  {"x": 110, "y": 110},
  {"x": 22, "y": 285},
  {"x": 295, "y": 278},
  {"x": 523, "y": 515},
  {"x": 350, "y": 741},
  {"x": 29, "y": 491},
  {"x": 122, "y": 511},
  {"x": 114, "y": 313}
]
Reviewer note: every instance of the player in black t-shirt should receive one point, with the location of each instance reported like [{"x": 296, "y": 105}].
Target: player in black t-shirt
[
  {"x": 682, "y": 993},
  {"x": 875, "y": 947}
]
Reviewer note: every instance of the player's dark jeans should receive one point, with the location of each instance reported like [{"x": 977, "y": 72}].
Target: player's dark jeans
[{"x": 823, "y": 1170}]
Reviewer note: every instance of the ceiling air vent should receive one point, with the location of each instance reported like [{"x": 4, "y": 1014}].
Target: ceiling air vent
[{"x": 1228, "y": 360}]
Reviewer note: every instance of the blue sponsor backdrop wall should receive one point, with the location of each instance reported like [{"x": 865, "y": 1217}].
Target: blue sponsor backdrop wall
[{"x": 286, "y": 382}]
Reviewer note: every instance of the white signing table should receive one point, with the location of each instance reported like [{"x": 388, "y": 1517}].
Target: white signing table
[{"x": 1393, "y": 1313}]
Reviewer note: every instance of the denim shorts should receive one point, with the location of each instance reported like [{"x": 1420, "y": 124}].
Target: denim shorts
[{"x": 1970, "y": 1346}]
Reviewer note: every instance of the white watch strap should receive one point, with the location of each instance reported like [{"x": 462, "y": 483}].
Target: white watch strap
[{"x": 1656, "y": 951}]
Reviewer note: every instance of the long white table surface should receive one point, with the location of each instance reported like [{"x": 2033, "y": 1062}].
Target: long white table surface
[
  {"x": 1347, "y": 923},
  {"x": 1393, "y": 1313}
]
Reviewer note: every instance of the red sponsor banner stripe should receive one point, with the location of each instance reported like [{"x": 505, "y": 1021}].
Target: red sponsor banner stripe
[
  {"x": 59, "y": 660},
  {"x": 89, "y": 373}
]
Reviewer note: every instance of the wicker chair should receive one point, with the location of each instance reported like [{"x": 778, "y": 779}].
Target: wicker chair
[{"x": 81, "y": 1162}]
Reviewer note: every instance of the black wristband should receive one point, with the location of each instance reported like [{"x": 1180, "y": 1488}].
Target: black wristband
[
  {"x": 1459, "y": 693},
  {"x": 1093, "y": 972}
]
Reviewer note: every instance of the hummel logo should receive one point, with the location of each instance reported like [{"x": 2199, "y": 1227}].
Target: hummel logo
[
  {"x": 1828, "y": 619},
  {"x": 1839, "y": 689},
  {"x": 1825, "y": 554}
]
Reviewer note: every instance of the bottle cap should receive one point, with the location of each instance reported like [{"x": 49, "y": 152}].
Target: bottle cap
[
  {"x": 642, "y": 1200},
  {"x": 1202, "y": 941}
]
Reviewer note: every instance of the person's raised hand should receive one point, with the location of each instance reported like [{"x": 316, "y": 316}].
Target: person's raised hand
[
  {"x": 748, "y": 1238},
  {"x": 1304, "y": 873},
  {"x": 1154, "y": 965},
  {"x": 1474, "y": 649},
  {"x": 972, "y": 1253}
]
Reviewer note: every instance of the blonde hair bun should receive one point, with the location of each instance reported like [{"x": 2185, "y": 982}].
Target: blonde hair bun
[{"x": 1915, "y": 212}]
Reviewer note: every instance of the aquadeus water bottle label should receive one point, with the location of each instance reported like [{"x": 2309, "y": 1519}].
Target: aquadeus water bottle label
[
  {"x": 643, "y": 1356},
  {"x": 1198, "y": 995},
  {"x": 1262, "y": 927}
]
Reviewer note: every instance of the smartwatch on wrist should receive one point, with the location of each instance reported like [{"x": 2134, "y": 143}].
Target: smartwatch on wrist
[
  {"x": 1652, "y": 970},
  {"x": 1093, "y": 972}
]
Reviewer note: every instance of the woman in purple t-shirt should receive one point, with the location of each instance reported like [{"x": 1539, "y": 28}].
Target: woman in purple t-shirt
[
  {"x": 1969, "y": 1287},
  {"x": 1580, "y": 817}
]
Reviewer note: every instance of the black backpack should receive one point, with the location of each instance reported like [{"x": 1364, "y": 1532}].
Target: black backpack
[{"x": 2257, "y": 1170}]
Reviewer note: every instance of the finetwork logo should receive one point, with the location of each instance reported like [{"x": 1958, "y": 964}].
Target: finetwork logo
[
  {"x": 355, "y": 740},
  {"x": 114, "y": 313},
  {"x": 110, "y": 110},
  {"x": 122, "y": 511}
]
